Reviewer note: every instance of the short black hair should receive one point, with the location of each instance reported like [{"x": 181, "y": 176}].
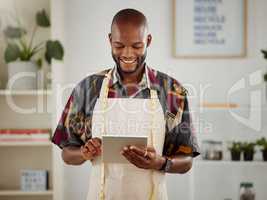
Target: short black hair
[{"x": 130, "y": 15}]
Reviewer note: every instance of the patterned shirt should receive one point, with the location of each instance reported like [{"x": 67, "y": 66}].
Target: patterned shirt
[{"x": 74, "y": 127}]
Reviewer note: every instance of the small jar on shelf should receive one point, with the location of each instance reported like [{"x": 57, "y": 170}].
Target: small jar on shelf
[
  {"x": 212, "y": 150},
  {"x": 246, "y": 191}
]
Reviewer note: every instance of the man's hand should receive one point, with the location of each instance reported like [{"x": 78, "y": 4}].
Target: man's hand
[
  {"x": 91, "y": 149},
  {"x": 145, "y": 158}
]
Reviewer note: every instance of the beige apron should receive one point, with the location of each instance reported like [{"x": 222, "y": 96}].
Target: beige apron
[{"x": 127, "y": 116}]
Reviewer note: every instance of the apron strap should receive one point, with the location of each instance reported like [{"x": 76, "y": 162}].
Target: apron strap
[
  {"x": 153, "y": 94},
  {"x": 154, "y": 98},
  {"x": 104, "y": 87},
  {"x": 103, "y": 100}
]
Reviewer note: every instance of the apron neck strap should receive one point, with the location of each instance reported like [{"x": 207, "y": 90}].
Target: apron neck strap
[
  {"x": 105, "y": 88},
  {"x": 153, "y": 94}
]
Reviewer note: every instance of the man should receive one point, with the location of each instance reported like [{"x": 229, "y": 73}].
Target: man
[{"x": 172, "y": 143}]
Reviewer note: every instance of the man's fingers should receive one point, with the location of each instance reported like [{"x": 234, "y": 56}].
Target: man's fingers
[
  {"x": 131, "y": 159},
  {"x": 97, "y": 145},
  {"x": 96, "y": 142},
  {"x": 92, "y": 149},
  {"x": 84, "y": 149},
  {"x": 135, "y": 158},
  {"x": 150, "y": 149},
  {"x": 137, "y": 150},
  {"x": 93, "y": 144},
  {"x": 143, "y": 152},
  {"x": 87, "y": 155},
  {"x": 128, "y": 158}
]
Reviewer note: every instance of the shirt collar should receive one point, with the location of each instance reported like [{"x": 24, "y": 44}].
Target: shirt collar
[{"x": 116, "y": 79}]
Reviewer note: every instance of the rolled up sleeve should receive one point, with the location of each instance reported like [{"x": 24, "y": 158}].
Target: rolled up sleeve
[
  {"x": 70, "y": 130},
  {"x": 181, "y": 137}
]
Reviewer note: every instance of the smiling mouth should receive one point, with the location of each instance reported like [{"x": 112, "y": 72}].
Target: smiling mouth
[{"x": 128, "y": 61}]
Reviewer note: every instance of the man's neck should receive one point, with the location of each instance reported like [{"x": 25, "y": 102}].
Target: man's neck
[{"x": 133, "y": 78}]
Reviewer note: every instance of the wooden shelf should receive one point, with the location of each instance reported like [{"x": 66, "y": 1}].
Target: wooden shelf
[
  {"x": 218, "y": 105},
  {"x": 26, "y": 144},
  {"x": 228, "y": 106},
  {"x": 25, "y": 193},
  {"x": 25, "y": 92}
]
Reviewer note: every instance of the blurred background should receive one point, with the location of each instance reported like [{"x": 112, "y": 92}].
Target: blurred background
[{"x": 57, "y": 43}]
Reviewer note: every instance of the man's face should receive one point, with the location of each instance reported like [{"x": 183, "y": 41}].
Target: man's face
[{"x": 129, "y": 44}]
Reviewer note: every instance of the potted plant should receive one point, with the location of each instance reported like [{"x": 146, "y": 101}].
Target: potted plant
[
  {"x": 24, "y": 57},
  {"x": 248, "y": 149},
  {"x": 263, "y": 144},
  {"x": 235, "y": 150}
]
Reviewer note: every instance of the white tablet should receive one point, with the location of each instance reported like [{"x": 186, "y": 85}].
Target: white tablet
[{"x": 113, "y": 145}]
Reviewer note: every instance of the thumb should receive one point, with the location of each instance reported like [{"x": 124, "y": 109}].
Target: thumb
[{"x": 150, "y": 149}]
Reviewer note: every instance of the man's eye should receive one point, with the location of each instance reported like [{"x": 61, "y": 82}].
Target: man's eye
[
  {"x": 118, "y": 47},
  {"x": 137, "y": 47}
]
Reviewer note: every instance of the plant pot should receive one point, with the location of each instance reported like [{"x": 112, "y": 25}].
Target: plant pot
[
  {"x": 235, "y": 155},
  {"x": 248, "y": 155},
  {"x": 264, "y": 154},
  {"x": 22, "y": 75}
]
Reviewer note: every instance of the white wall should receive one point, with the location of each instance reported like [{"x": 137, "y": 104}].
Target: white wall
[{"x": 86, "y": 25}]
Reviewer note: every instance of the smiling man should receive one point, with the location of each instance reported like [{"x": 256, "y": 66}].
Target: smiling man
[{"x": 171, "y": 140}]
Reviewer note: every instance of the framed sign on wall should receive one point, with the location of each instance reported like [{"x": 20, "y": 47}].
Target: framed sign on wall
[{"x": 210, "y": 28}]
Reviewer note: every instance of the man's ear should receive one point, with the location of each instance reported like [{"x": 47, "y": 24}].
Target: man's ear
[
  {"x": 110, "y": 38},
  {"x": 149, "y": 39}
]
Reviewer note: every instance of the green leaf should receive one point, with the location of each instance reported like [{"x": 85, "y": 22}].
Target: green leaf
[
  {"x": 12, "y": 52},
  {"x": 248, "y": 146},
  {"x": 42, "y": 19},
  {"x": 55, "y": 50},
  {"x": 14, "y": 32},
  {"x": 264, "y": 53},
  {"x": 25, "y": 53},
  {"x": 23, "y": 45},
  {"x": 261, "y": 142},
  {"x": 236, "y": 147},
  {"x": 39, "y": 62}
]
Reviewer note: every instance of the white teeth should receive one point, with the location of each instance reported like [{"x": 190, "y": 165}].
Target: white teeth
[{"x": 128, "y": 61}]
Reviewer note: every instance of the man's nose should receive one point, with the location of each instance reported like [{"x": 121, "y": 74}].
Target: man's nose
[{"x": 127, "y": 52}]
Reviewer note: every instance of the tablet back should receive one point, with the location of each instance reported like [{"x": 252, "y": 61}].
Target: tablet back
[{"x": 113, "y": 145}]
